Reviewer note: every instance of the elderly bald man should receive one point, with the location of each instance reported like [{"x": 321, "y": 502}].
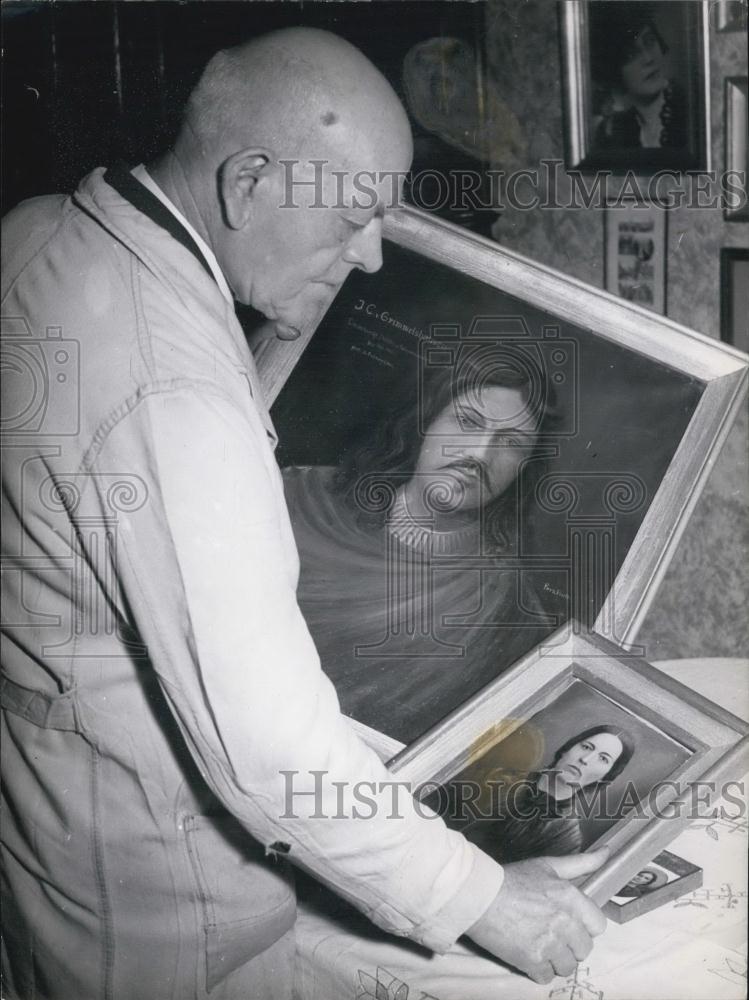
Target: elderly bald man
[{"x": 161, "y": 686}]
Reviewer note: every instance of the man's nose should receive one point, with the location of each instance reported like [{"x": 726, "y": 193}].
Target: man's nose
[
  {"x": 364, "y": 249},
  {"x": 481, "y": 446}
]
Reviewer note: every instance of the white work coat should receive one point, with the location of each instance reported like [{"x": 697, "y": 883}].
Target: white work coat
[{"x": 160, "y": 682}]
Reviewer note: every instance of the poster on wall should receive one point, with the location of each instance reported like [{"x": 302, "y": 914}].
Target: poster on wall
[{"x": 635, "y": 248}]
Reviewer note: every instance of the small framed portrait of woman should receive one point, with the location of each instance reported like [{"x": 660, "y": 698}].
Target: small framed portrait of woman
[
  {"x": 581, "y": 745},
  {"x": 636, "y": 85}
]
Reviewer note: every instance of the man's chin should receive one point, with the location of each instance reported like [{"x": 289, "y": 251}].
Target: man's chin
[
  {"x": 289, "y": 326},
  {"x": 286, "y": 331}
]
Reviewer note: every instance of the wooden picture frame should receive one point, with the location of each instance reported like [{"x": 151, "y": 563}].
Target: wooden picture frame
[
  {"x": 737, "y": 148},
  {"x": 680, "y": 876},
  {"x": 681, "y": 788},
  {"x": 603, "y": 130},
  {"x": 426, "y": 259},
  {"x": 635, "y": 253}
]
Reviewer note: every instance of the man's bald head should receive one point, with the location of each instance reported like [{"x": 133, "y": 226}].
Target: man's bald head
[
  {"x": 292, "y": 147},
  {"x": 297, "y": 92}
]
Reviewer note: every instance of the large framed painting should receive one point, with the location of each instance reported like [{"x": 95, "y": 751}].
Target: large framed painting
[
  {"x": 579, "y": 747},
  {"x": 477, "y": 449},
  {"x": 636, "y": 85}
]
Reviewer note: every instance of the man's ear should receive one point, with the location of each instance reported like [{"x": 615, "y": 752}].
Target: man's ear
[{"x": 238, "y": 180}]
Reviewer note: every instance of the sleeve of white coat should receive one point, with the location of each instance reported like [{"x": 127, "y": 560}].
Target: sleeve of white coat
[{"x": 209, "y": 569}]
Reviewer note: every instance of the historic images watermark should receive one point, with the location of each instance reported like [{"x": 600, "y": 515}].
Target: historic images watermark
[
  {"x": 57, "y": 594},
  {"x": 547, "y": 186},
  {"x": 316, "y": 795}
]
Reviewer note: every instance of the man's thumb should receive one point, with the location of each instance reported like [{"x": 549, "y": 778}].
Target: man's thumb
[{"x": 574, "y": 865}]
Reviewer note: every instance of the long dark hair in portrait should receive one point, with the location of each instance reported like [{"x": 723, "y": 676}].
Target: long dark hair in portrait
[{"x": 392, "y": 450}]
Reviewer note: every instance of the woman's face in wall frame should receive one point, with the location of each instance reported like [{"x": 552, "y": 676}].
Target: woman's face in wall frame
[{"x": 644, "y": 73}]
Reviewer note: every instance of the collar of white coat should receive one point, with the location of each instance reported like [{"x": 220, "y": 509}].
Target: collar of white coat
[{"x": 141, "y": 174}]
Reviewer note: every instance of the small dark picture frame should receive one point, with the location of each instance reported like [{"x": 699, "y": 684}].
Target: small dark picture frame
[
  {"x": 737, "y": 149},
  {"x": 734, "y": 297},
  {"x": 666, "y": 878}
]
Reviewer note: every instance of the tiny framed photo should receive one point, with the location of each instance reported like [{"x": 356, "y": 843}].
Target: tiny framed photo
[
  {"x": 664, "y": 879},
  {"x": 635, "y": 245},
  {"x": 734, "y": 297},
  {"x": 580, "y": 745},
  {"x": 737, "y": 150},
  {"x": 635, "y": 85}
]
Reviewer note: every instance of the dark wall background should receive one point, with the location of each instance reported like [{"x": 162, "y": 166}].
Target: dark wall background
[{"x": 86, "y": 83}]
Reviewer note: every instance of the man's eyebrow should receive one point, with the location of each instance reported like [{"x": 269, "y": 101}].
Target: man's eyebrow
[
  {"x": 491, "y": 421},
  {"x": 378, "y": 212}
]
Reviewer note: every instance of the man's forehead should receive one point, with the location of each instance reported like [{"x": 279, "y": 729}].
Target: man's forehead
[{"x": 366, "y": 191}]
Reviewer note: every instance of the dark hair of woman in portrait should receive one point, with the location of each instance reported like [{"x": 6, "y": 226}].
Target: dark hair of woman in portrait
[
  {"x": 542, "y": 814},
  {"x": 635, "y": 101}
]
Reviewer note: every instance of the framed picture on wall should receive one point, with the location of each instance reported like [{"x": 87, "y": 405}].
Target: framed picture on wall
[
  {"x": 635, "y": 85},
  {"x": 662, "y": 880},
  {"x": 635, "y": 249},
  {"x": 734, "y": 297},
  {"x": 464, "y": 486},
  {"x": 578, "y": 747},
  {"x": 737, "y": 149}
]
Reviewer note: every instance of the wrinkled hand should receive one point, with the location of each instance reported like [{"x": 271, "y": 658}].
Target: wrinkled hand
[{"x": 538, "y": 922}]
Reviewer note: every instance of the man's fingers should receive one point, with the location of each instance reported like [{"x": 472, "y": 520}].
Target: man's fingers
[
  {"x": 563, "y": 962},
  {"x": 542, "y": 973},
  {"x": 589, "y": 914},
  {"x": 573, "y": 865},
  {"x": 580, "y": 942}
]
